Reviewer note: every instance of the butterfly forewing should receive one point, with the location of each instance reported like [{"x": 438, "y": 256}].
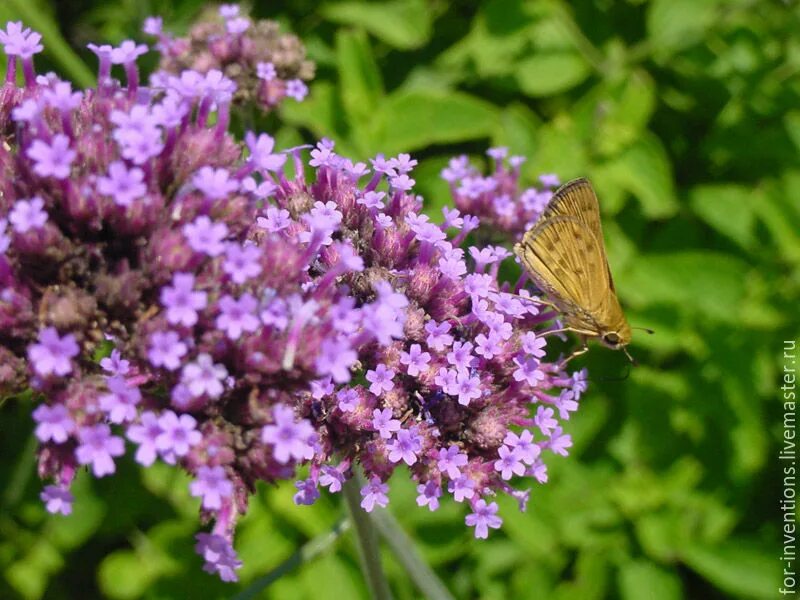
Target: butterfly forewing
[{"x": 565, "y": 254}]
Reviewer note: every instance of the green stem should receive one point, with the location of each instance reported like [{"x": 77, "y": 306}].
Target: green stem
[
  {"x": 405, "y": 551},
  {"x": 307, "y": 552},
  {"x": 368, "y": 548}
]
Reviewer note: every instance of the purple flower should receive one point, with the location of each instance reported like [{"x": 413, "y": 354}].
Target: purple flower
[
  {"x": 97, "y": 447},
  {"x": 276, "y": 219},
  {"x": 124, "y": 185},
  {"x": 166, "y": 350},
  {"x": 295, "y": 88},
  {"x": 429, "y": 494},
  {"x": 266, "y": 71},
  {"x": 20, "y": 42},
  {"x": 544, "y": 420},
  {"x": 127, "y": 52},
  {"x": 467, "y": 388},
  {"x": 509, "y": 463},
  {"x": 405, "y": 446},
  {"x": 461, "y": 355},
  {"x": 451, "y": 460},
  {"x": 332, "y": 478},
  {"x": 182, "y": 301},
  {"x": 438, "y": 338},
  {"x": 523, "y": 446},
  {"x": 566, "y": 403},
  {"x": 307, "y": 492},
  {"x": 237, "y": 316},
  {"x": 550, "y": 180},
  {"x": 54, "y": 159},
  {"x": 290, "y": 439},
  {"x": 348, "y": 400},
  {"x": 204, "y": 377},
  {"x": 374, "y": 493},
  {"x": 335, "y": 359},
  {"x": 53, "y": 354},
  {"x": 381, "y": 379},
  {"x": 483, "y": 517},
  {"x": 53, "y": 423},
  {"x": 533, "y": 345},
  {"x": 120, "y": 403},
  {"x": 178, "y": 433},
  {"x": 145, "y": 433},
  {"x": 219, "y": 555},
  {"x": 206, "y": 236},
  {"x": 242, "y": 262},
  {"x": 215, "y": 184},
  {"x": 28, "y": 214},
  {"x": 212, "y": 485},
  {"x": 383, "y": 422},
  {"x": 528, "y": 371},
  {"x": 462, "y": 488},
  {"x": 261, "y": 155},
  {"x": 57, "y": 499},
  {"x": 115, "y": 364},
  {"x": 560, "y": 441},
  {"x": 415, "y": 359}
]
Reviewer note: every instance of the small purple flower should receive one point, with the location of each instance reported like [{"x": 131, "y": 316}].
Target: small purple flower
[
  {"x": 215, "y": 184},
  {"x": 261, "y": 155},
  {"x": 544, "y": 420},
  {"x": 52, "y": 354},
  {"x": 415, "y": 359},
  {"x": 115, "y": 364},
  {"x": 488, "y": 346},
  {"x": 57, "y": 499},
  {"x": 178, "y": 433},
  {"x": 347, "y": 399},
  {"x": 528, "y": 370},
  {"x": 290, "y": 439},
  {"x": 566, "y": 403},
  {"x": 127, "y": 52},
  {"x": 28, "y": 214},
  {"x": 276, "y": 220},
  {"x": 509, "y": 463},
  {"x": 237, "y": 316},
  {"x": 384, "y": 423},
  {"x": 405, "y": 446},
  {"x": 219, "y": 555},
  {"x": 374, "y": 493},
  {"x": 523, "y": 446},
  {"x": 295, "y": 88},
  {"x": 467, "y": 388},
  {"x": 212, "y": 485},
  {"x": 381, "y": 379},
  {"x": 266, "y": 71},
  {"x": 54, "y": 159},
  {"x": 166, "y": 350},
  {"x": 145, "y": 433},
  {"x": 461, "y": 355},
  {"x": 533, "y": 344},
  {"x": 550, "y": 180},
  {"x": 120, "y": 403},
  {"x": 307, "y": 492},
  {"x": 20, "y": 42},
  {"x": 242, "y": 262},
  {"x": 204, "y": 376},
  {"x": 53, "y": 423},
  {"x": 451, "y": 460},
  {"x": 429, "y": 494},
  {"x": 560, "y": 442},
  {"x": 462, "y": 488},
  {"x": 483, "y": 517},
  {"x": 182, "y": 301},
  {"x": 372, "y": 200},
  {"x": 124, "y": 185},
  {"x": 438, "y": 338},
  {"x": 98, "y": 447},
  {"x": 332, "y": 478},
  {"x": 335, "y": 358},
  {"x": 206, "y": 236}
]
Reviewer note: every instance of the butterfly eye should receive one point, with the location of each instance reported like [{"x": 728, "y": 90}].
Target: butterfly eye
[{"x": 611, "y": 339}]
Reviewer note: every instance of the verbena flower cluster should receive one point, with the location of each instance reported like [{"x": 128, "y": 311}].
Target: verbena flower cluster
[
  {"x": 254, "y": 310},
  {"x": 265, "y": 64},
  {"x": 498, "y": 198}
]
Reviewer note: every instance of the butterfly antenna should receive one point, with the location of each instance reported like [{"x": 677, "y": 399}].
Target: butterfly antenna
[{"x": 645, "y": 329}]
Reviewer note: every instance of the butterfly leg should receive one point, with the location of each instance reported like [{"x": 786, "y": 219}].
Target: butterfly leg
[
  {"x": 576, "y": 353},
  {"x": 565, "y": 330}
]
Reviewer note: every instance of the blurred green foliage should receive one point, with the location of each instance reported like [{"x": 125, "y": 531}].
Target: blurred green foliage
[{"x": 686, "y": 116}]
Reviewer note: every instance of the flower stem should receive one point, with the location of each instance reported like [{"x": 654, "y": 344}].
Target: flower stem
[
  {"x": 405, "y": 551},
  {"x": 305, "y": 553},
  {"x": 367, "y": 542}
]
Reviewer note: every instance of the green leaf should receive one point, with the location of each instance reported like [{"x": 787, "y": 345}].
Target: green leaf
[
  {"x": 644, "y": 171},
  {"x": 404, "y": 24},
  {"x": 728, "y": 208},
  {"x": 642, "y": 580},
  {"x": 410, "y": 120},
  {"x": 739, "y": 568},
  {"x": 551, "y": 73},
  {"x": 711, "y": 283},
  {"x": 359, "y": 78},
  {"x": 675, "y": 24}
]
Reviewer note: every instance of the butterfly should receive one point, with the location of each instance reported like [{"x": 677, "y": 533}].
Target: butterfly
[{"x": 565, "y": 255}]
